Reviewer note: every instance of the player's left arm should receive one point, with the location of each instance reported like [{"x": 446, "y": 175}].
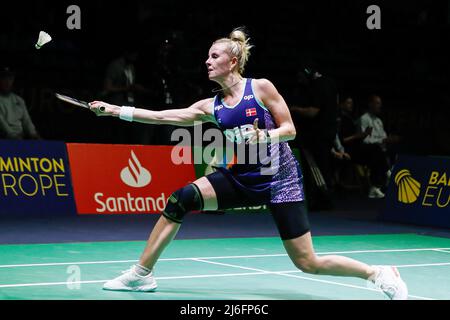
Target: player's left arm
[{"x": 266, "y": 92}]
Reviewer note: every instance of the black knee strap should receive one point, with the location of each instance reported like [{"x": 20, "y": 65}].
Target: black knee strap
[{"x": 182, "y": 201}]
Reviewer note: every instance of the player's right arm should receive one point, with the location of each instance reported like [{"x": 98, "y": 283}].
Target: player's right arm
[{"x": 201, "y": 111}]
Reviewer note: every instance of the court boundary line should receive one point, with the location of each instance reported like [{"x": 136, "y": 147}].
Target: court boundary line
[
  {"x": 442, "y": 250},
  {"x": 223, "y": 257},
  {"x": 304, "y": 278},
  {"x": 15, "y": 285},
  {"x": 206, "y": 276},
  {"x": 436, "y": 264},
  {"x": 287, "y": 273}
]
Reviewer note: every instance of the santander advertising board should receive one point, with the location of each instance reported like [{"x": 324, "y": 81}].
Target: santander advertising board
[{"x": 123, "y": 179}]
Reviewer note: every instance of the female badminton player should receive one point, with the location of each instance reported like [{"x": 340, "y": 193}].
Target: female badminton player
[{"x": 236, "y": 109}]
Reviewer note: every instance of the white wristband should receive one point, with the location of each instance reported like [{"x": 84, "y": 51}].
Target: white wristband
[{"x": 126, "y": 113}]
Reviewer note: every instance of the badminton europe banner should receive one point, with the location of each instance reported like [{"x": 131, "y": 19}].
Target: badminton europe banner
[
  {"x": 121, "y": 179},
  {"x": 419, "y": 191},
  {"x": 34, "y": 178}
]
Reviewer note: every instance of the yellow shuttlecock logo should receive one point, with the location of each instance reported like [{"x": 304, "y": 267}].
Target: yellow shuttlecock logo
[{"x": 408, "y": 187}]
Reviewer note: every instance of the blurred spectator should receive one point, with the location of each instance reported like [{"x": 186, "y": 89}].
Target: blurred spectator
[
  {"x": 370, "y": 155},
  {"x": 338, "y": 150},
  {"x": 378, "y": 136},
  {"x": 15, "y": 122},
  {"x": 119, "y": 84},
  {"x": 340, "y": 159},
  {"x": 347, "y": 127},
  {"x": 120, "y": 88},
  {"x": 167, "y": 86},
  {"x": 314, "y": 114},
  {"x": 353, "y": 136}
]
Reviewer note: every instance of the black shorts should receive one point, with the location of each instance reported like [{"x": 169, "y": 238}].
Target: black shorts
[{"x": 290, "y": 217}]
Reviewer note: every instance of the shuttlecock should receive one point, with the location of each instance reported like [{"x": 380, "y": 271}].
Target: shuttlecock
[
  {"x": 408, "y": 187},
  {"x": 44, "y": 37}
]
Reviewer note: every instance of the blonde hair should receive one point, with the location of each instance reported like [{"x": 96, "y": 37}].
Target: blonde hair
[{"x": 238, "y": 46}]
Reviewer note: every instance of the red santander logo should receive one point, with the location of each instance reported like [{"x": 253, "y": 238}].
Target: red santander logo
[{"x": 135, "y": 175}]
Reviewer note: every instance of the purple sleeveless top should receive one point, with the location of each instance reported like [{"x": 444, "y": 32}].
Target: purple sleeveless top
[{"x": 282, "y": 180}]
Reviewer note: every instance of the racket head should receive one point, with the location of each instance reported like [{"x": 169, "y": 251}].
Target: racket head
[{"x": 73, "y": 101}]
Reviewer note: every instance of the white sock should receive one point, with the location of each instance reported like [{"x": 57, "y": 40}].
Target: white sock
[
  {"x": 141, "y": 270},
  {"x": 374, "y": 276}
]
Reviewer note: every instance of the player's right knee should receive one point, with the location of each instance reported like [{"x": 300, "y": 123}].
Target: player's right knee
[
  {"x": 307, "y": 265},
  {"x": 188, "y": 198}
]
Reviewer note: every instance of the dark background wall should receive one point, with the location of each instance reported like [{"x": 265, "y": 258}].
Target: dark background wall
[{"x": 406, "y": 62}]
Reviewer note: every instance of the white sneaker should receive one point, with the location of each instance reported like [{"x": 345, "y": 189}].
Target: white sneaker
[
  {"x": 389, "y": 281},
  {"x": 375, "y": 193},
  {"x": 131, "y": 281}
]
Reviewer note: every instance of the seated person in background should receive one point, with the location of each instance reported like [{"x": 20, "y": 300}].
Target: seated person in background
[
  {"x": 338, "y": 150},
  {"x": 340, "y": 157},
  {"x": 15, "y": 122},
  {"x": 371, "y": 119},
  {"x": 370, "y": 154},
  {"x": 347, "y": 127}
]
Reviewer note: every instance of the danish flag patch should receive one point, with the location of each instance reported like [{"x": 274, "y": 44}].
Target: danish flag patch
[{"x": 250, "y": 112}]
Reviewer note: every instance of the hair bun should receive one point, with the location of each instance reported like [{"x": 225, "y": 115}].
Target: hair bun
[{"x": 238, "y": 34}]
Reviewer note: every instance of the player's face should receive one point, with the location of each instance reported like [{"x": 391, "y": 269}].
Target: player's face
[{"x": 219, "y": 62}]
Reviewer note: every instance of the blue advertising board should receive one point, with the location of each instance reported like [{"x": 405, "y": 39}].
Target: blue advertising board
[
  {"x": 35, "y": 178},
  {"x": 419, "y": 191}
]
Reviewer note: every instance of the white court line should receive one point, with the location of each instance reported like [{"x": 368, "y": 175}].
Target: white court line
[
  {"x": 287, "y": 273},
  {"x": 66, "y": 263},
  {"x": 423, "y": 265},
  {"x": 384, "y": 250},
  {"x": 207, "y": 276},
  {"x": 157, "y": 278},
  {"x": 217, "y": 257},
  {"x": 301, "y": 277},
  {"x": 441, "y": 250},
  {"x": 215, "y": 275},
  {"x": 48, "y": 284}
]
